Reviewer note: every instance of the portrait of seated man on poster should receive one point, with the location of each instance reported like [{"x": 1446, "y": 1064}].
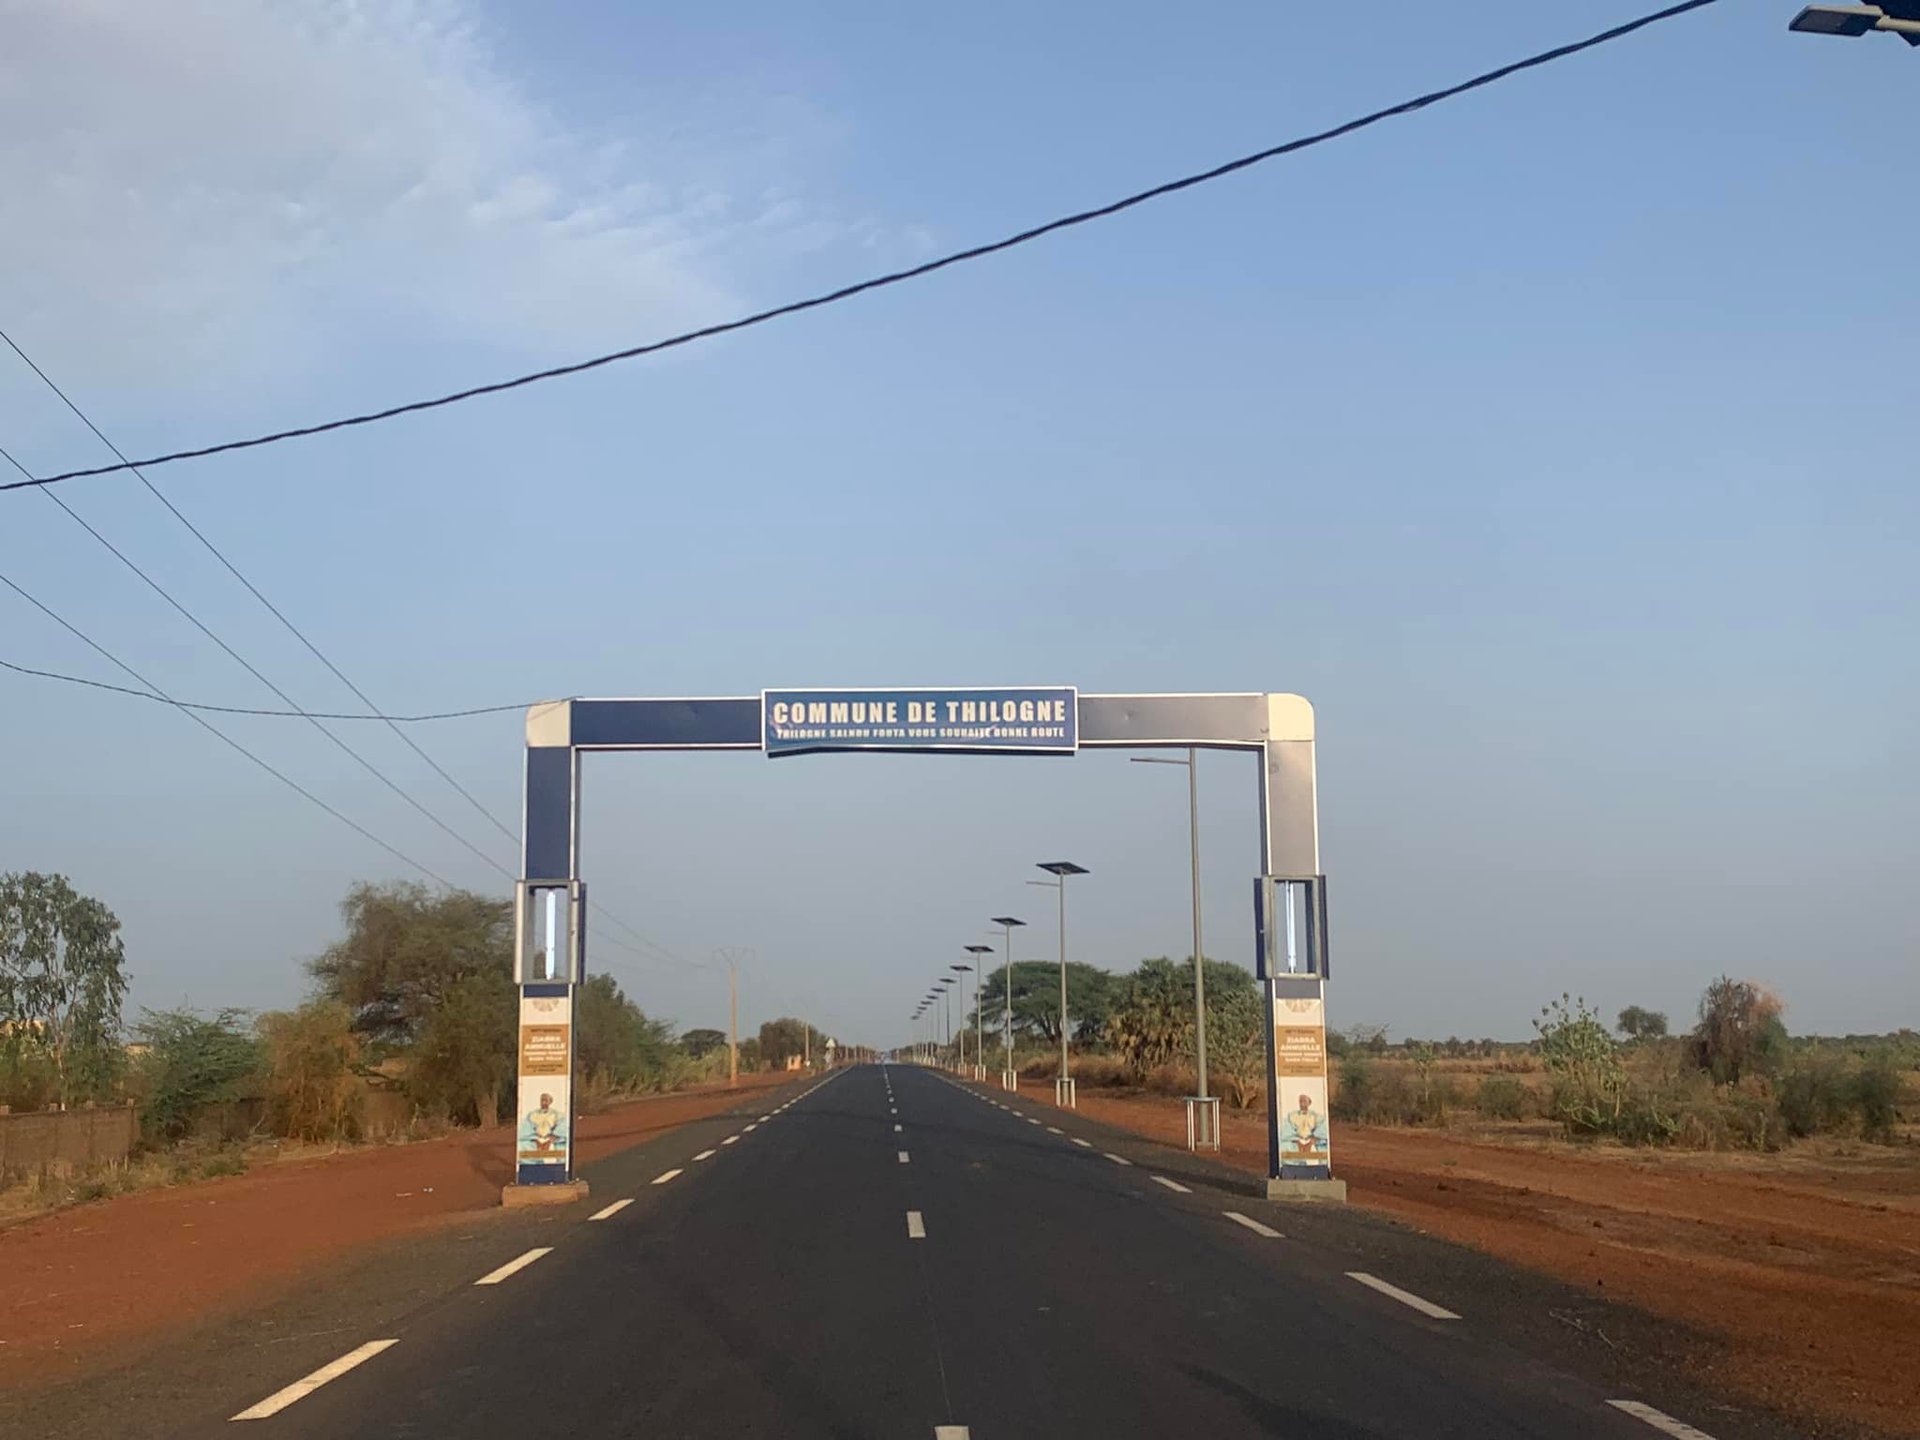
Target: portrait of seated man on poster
[
  {"x": 1303, "y": 1133},
  {"x": 543, "y": 1132}
]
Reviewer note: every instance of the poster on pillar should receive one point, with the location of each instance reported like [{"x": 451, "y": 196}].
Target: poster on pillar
[
  {"x": 544, "y": 1114},
  {"x": 1300, "y": 1082}
]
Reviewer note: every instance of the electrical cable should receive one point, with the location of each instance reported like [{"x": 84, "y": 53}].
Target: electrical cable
[
  {"x": 254, "y": 671},
  {"x": 896, "y": 277},
  {"x": 208, "y": 725},
  {"x": 251, "y": 710}
]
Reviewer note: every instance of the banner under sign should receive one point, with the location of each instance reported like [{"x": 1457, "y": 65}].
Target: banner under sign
[
  {"x": 1033, "y": 721},
  {"x": 544, "y": 1115}
]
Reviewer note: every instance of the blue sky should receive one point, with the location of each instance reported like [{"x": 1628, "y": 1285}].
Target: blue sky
[{"x": 1551, "y": 441}]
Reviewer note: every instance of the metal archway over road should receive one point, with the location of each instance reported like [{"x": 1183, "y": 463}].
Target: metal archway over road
[{"x": 1289, "y": 893}]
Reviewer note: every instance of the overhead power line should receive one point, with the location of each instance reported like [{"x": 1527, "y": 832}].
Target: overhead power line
[
  {"x": 254, "y": 710},
  {"x": 252, "y": 589},
  {"x": 897, "y": 277},
  {"x": 300, "y": 635},
  {"x": 222, "y": 735},
  {"x": 361, "y": 760}
]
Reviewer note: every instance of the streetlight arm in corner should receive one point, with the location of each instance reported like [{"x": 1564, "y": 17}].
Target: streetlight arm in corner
[{"x": 1898, "y": 17}]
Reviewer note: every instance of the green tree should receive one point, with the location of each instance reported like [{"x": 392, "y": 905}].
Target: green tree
[
  {"x": 406, "y": 949},
  {"x": 463, "y": 1061},
  {"x": 62, "y": 981},
  {"x": 700, "y": 1043},
  {"x": 1739, "y": 1031},
  {"x": 1091, "y": 994},
  {"x": 192, "y": 1064},
  {"x": 1638, "y": 1023},
  {"x": 615, "y": 1041},
  {"x": 785, "y": 1037},
  {"x": 1152, "y": 1020}
]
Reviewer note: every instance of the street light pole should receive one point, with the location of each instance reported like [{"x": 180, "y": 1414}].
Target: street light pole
[
  {"x": 1193, "y": 838},
  {"x": 1008, "y": 1079},
  {"x": 1060, "y": 870},
  {"x": 963, "y": 971},
  {"x": 979, "y": 953}
]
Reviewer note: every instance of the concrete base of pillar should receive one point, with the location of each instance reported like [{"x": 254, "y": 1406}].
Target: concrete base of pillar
[
  {"x": 514, "y": 1197},
  {"x": 1330, "y": 1192},
  {"x": 1063, "y": 1095},
  {"x": 1009, "y": 1079}
]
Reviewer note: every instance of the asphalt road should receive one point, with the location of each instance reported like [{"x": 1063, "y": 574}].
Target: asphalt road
[{"x": 891, "y": 1254}]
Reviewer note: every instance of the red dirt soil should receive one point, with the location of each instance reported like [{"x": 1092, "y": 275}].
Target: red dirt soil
[
  {"x": 1808, "y": 1264},
  {"x": 81, "y": 1278}
]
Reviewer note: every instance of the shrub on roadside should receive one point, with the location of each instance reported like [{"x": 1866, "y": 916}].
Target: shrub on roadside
[
  {"x": 312, "y": 1056},
  {"x": 1876, "y": 1090},
  {"x": 193, "y": 1066},
  {"x": 1501, "y": 1097}
]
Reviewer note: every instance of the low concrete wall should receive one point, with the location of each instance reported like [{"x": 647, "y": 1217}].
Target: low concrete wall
[{"x": 44, "y": 1140}]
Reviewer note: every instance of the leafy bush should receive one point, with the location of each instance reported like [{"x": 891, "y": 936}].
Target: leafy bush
[
  {"x": 1579, "y": 1052},
  {"x": 1813, "y": 1093},
  {"x": 1875, "y": 1091},
  {"x": 193, "y": 1065},
  {"x": 312, "y": 1056},
  {"x": 464, "y": 1060},
  {"x": 1739, "y": 1032},
  {"x": 1501, "y": 1097}
]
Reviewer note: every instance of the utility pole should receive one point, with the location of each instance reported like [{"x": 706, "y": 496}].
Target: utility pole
[{"x": 732, "y": 955}]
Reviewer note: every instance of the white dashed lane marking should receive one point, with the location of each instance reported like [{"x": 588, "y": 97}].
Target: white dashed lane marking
[
  {"x": 730, "y": 1139},
  {"x": 1117, "y": 1159},
  {"x": 903, "y": 1157},
  {"x": 1253, "y": 1225},
  {"x": 302, "y": 1388},
  {"x": 664, "y": 1176},
  {"x": 916, "y": 1227},
  {"x": 1173, "y": 1185},
  {"x": 1660, "y": 1420},
  {"x": 1083, "y": 1144},
  {"x": 896, "y": 1130},
  {"x": 611, "y": 1210},
  {"x": 705, "y": 1155},
  {"x": 1053, "y": 1129},
  {"x": 515, "y": 1266},
  {"x": 950, "y": 1432},
  {"x": 1405, "y": 1297}
]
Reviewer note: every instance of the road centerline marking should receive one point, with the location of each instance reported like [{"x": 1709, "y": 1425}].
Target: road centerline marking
[
  {"x": 1254, "y": 1225},
  {"x": 705, "y": 1155},
  {"x": 1083, "y": 1144},
  {"x": 514, "y": 1266},
  {"x": 950, "y": 1432},
  {"x": 611, "y": 1210},
  {"x": 664, "y": 1176},
  {"x": 730, "y": 1139},
  {"x": 1053, "y": 1130},
  {"x": 1405, "y": 1297},
  {"x": 1173, "y": 1185},
  {"x": 306, "y": 1385},
  {"x": 903, "y": 1157},
  {"x": 1660, "y": 1420},
  {"x": 1117, "y": 1159},
  {"x": 916, "y": 1227}
]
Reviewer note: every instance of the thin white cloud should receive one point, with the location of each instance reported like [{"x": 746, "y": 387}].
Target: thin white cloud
[{"x": 231, "y": 186}]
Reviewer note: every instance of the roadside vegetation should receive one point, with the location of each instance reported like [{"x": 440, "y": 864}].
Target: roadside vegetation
[
  {"x": 1737, "y": 1079},
  {"x": 410, "y": 1029}
]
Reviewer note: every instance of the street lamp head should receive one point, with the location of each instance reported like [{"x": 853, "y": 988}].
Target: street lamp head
[
  {"x": 1007, "y": 920},
  {"x": 978, "y": 949},
  {"x": 1902, "y": 17},
  {"x": 1063, "y": 867},
  {"x": 1836, "y": 19},
  {"x": 968, "y": 969}
]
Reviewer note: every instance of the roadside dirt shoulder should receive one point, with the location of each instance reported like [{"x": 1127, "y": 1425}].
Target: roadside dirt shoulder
[
  {"x": 81, "y": 1280},
  {"x": 1808, "y": 1268}
]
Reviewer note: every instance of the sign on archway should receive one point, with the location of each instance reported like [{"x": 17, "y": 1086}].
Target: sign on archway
[{"x": 1290, "y": 896}]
